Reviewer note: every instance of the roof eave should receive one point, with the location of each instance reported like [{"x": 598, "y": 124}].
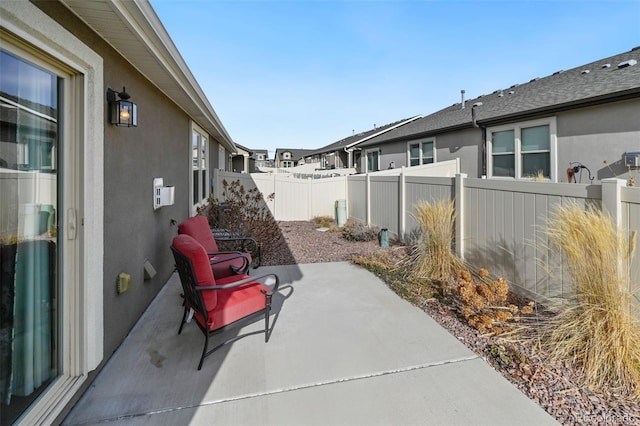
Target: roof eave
[{"x": 148, "y": 47}]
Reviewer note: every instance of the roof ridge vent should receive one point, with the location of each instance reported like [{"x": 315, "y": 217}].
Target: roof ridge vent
[
  {"x": 534, "y": 79},
  {"x": 629, "y": 63},
  {"x": 635, "y": 48},
  {"x": 585, "y": 72},
  {"x": 606, "y": 66},
  {"x": 558, "y": 72}
]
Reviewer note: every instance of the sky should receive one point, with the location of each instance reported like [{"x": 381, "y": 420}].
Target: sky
[{"x": 305, "y": 74}]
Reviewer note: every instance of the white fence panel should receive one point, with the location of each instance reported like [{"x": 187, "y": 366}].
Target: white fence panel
[
  {"x": 325, "y": 193},
  {"x": 292, "y": 198},
  {"x": 384, "y": 201},
  {"x": 357, "y": 197},
  {"x": 630, "y": 198},
  {"x": 504, "y": 226},
  {"x": 429, "y": 189}
]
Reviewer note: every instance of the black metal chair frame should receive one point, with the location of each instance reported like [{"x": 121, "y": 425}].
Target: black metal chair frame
[
  {"x": 222, "y": 234},
  {"x": 193, "y": 300}
]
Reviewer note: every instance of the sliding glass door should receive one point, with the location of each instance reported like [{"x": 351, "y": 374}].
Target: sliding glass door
[{"x": 30, "y": 100}]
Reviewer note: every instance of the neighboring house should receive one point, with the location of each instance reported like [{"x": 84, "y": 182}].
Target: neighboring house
[
  {"x": 78, "y": 223},
  {"x": 261, "y": 159},
  {"x": 241, "y": 161},
  {"x": 542, "y": 129},
  {"x": 286, "y": 157},
  {"x": 344, "y": 153}
]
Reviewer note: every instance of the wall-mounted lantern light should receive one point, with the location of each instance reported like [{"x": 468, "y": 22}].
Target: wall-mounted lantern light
[{"x": 122, "y": 112}]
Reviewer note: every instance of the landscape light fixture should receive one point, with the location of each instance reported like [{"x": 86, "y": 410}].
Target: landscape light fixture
[{"x": 122, "y": 112}]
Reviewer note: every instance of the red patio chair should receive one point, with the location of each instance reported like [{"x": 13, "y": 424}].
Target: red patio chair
[
  {"x": 223, "y": 263},
  {"x": 219, "y": 304}
]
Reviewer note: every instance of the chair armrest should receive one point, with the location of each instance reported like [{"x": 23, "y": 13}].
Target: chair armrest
[
  {"x": 244, "y": 240},
  {"x": 242, "y": 282},
  {"x": 238, "y": 255},
  {"x": 215, "y": 253}
]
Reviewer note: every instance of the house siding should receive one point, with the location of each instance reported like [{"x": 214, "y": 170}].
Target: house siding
[
  {"x": 158, "y": 147},
  {"x": 592, "y": 135}
]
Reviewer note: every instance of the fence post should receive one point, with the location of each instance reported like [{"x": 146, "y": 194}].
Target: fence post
[
  {"x": 216, "y": 177},
  {"x": 612, "y": 199},
  {"x": 402, "y": 204},
  {"x": 367, "y": 198},
  {"x": 459, "y": 210}
]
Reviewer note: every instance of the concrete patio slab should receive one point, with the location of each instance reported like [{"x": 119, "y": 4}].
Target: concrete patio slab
[{"x": 344, "y": 350}]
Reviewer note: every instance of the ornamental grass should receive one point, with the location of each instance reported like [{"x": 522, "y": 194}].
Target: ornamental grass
[
  {"x": 597, "y": 329},
  {"x": 433, "y": 257}
]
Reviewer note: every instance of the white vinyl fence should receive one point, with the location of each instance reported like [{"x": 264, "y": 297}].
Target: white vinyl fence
[
  {"x": 294, "y": 199},
  {"x": 499, "y": 223}
]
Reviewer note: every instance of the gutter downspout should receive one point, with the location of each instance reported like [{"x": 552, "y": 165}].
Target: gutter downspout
[{"x": 474, "y": 123}]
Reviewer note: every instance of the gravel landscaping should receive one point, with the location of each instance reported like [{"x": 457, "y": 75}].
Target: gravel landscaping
[{"x": 554, "y": 386}]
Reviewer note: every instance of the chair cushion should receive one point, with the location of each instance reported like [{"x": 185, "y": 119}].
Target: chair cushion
[
  {"x": 194, "y": 251},
  {"x": 234, "y": 304},
  {"x": 198, "y": 228}
]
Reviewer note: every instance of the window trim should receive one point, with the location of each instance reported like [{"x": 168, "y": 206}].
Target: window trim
[
  {"x": 204, "y": 136},
  {"x": 517, "y": 130},
  {"x": 82, "y": 324},
  {"x": 366, "y": 159},
  {"x": 420, "y": 143}
]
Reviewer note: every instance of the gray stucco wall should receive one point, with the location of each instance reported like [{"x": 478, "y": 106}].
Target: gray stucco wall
[
  {"x": 158, "y": 147},
  {"x": 464, "y": 144},
  {"x": 592, "y": 135}
]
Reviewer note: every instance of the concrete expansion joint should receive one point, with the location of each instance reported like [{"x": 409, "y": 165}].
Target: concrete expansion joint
[{"x": 294, "y": 388}]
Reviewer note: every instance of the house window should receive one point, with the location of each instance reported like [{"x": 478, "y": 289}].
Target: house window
[
  {"x": 286, "y": 156},
  {"x": 522, "y": 151},
  {"x": 287, "y": 164},
  {"x": 222, "y": 158},
  {"x": 373, "y": 161},
  {"x": 199, "y": 164},
  {"x": 420, "y": 153}
]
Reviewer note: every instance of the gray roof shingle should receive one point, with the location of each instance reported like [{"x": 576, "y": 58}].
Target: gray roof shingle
[{"x": 560, "y": 91}]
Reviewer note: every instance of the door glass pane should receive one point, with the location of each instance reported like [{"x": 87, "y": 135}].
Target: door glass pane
[
  {"x": 503, "y": 141},
  {"x": 29, "y": 337},
  {"x": 535, "y": 138}
]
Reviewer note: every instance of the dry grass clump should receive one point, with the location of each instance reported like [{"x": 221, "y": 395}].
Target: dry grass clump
[
  {"x": 391, "y": 266},
  {"x": 326, "y": 222},
  {"x": 433, "y": 257},
  {"x": 354, "y": 230},
  {"x": 597, "y": 330},
  {"x": 484, "y": 302}
]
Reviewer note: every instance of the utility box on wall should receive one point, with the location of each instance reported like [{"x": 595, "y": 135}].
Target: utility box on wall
[
  {"x": 632, "y": 159},
  {"x": 162, "y": 195}
]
